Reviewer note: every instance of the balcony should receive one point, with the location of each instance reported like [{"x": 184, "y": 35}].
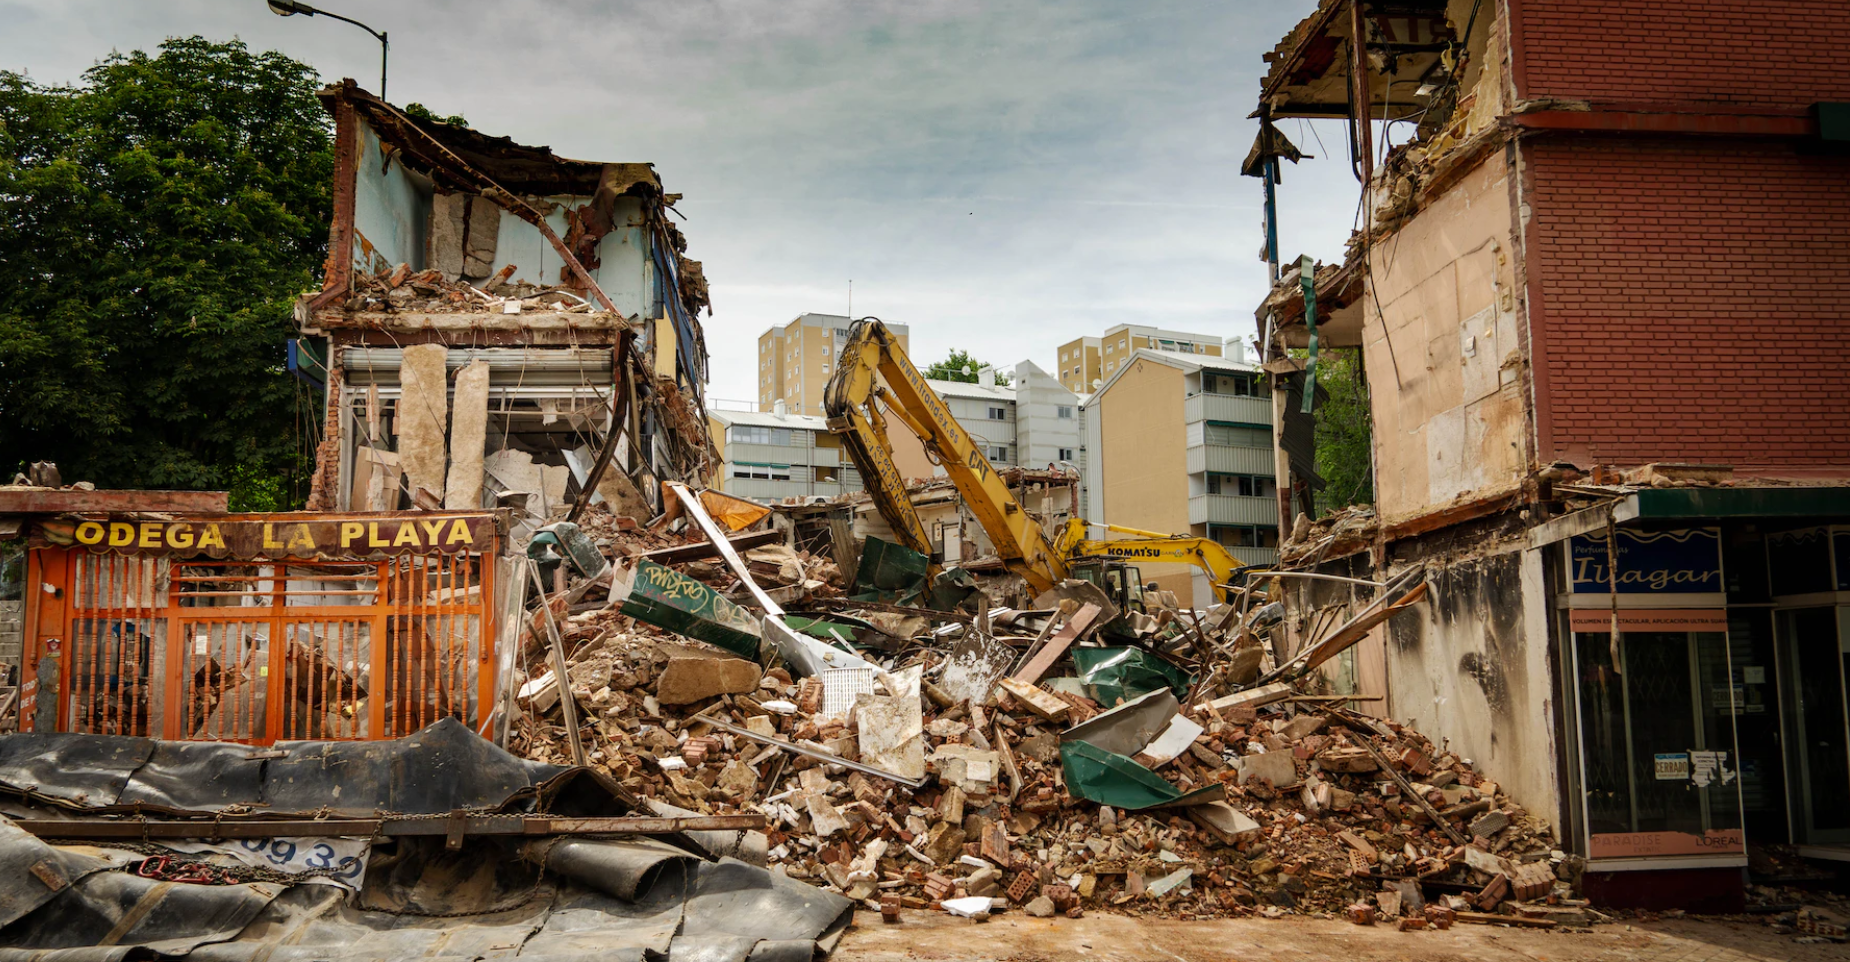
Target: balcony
[
  {"x": 1227, "y": 407},
  {"x": 1253, "y": 556},
  {"x": 1231, "y": 459},
  {"x": 784, "y": 454},
  {"x": 1232, "y": 509}
]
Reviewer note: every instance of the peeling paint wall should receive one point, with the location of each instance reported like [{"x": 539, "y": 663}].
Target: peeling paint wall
[
  {"x": 1471, "y": 666},
  {"x": 391, "y": 210},
  {"x": 1443, "y": 355}
]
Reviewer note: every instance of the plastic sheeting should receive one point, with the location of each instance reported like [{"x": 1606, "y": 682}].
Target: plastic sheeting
[{"x": 496, "y": 897}]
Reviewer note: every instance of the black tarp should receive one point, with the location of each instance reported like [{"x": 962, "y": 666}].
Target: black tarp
[{"x": 550, "y": 899}]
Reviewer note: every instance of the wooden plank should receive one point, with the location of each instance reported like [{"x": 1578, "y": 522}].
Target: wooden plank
[
  {"x": 23, "y": 500},
  {"x": 1485, "y": 918},
  {"x": 1038, "y": 701},
  {"x": 680, "y": 554},
  {"x": 1079, "y": 624}
]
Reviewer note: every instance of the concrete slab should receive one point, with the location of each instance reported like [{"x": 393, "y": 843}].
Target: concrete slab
[
  {"x": 468, "y": 438},
  {"x": 423, "y": 410}
]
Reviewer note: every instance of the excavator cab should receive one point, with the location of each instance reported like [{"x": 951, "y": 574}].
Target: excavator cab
[{"x": 1120, "y": 582}]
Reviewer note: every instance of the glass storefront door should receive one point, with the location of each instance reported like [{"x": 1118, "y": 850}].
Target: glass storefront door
[
  {"x": 1814, "y": 649},
  {"x": 1658, "y": 744}
]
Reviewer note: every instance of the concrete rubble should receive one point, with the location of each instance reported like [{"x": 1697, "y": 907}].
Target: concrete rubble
[{"x": 1226, "y": 799}]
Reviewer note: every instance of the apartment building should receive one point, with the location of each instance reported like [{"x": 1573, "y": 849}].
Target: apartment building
[
  {"x": 794, "y": 360},
  {"x": 1088, "y": 362},
  {"x": 777, "y": 455},
  {"x": 1182, "y": 443}
]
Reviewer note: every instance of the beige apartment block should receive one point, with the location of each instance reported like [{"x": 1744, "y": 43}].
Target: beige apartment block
[
  {"x": 1181, "y": 443},
  {"x": 794, "y": 360},
  {"x": 1088, "y": 362}
]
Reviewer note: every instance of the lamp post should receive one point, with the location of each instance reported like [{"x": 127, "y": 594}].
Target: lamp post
[{"x": 289, "y": 8}]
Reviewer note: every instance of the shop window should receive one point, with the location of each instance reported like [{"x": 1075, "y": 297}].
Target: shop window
[{"x": 1657, "y": 743}]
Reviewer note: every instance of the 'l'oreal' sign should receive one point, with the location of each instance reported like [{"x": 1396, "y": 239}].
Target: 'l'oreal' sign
[{"x": 1650, "y": 562}]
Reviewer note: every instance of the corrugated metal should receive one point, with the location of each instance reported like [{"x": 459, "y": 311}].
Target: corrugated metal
[{"x": 523, "y": 366}]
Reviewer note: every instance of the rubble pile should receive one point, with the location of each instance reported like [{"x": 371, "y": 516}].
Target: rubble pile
[
  {"x": 401, "y": 289},
  {"x": 982, "y": 759}
]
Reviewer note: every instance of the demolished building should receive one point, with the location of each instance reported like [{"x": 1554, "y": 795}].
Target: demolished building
[
  {"x": 1604, "y": 420},
  {"x": 492, "y": 317}
]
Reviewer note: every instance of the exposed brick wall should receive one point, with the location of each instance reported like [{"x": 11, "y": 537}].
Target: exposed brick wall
[
  {"x": 1687, "y": 302},
  {"x": 1715, "y": 53}
]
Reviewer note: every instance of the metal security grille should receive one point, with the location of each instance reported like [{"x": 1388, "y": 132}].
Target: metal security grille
[{"x": 261, "y": 651}]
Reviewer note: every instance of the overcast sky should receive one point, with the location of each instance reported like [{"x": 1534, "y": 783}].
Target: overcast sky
[{"x": 1001, "y": 176}]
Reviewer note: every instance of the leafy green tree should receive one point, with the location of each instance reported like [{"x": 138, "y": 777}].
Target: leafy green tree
[
  {"x": 1343, "y": 432},
  {"x": 960, "y": 366},
  {"x": 156, "y": 222}
]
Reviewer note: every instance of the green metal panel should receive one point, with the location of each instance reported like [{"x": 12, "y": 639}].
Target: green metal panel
[
  {"x": 1833, "y": 121},
  {"x": 1746, "y": 502},
  {"x": 1108, "y": 778},
  {"x": 668, "y": 599}
]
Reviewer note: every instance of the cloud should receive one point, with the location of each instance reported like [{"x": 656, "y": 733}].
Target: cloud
[{"x": 1001, "y": 176}]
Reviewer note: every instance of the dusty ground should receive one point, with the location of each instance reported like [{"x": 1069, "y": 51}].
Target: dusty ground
[{"x": 1107, "y": 938}]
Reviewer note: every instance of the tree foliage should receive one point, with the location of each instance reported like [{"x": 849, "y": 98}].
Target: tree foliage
[
  {"x": 156, "y": 222},
  {"x": 960, "y": 366},
  {"x": 1343, "y": 432}
]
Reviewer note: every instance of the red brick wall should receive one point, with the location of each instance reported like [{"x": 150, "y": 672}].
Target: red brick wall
[
  {"x": 1729, "y": 54},
  {"x": 1687, "y": 302}
]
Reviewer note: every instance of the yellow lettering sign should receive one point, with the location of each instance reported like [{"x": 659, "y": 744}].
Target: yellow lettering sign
[
  {"x": 179, "y": 536},
  {"x": 269, "y": 537},
  {"x": 407, "y": 535},
  {"x": 150, "y": 535},
  {"x": 301, "y": 538},
  {"x": 90, "y": 532},
  {"x": 350, "y": 532},
  {"x": 433, "y": 531},
  {"x": 459, "y": 533},
  {"x": 372, "y": 536},
  {"x": 211, "y": 537},
  {"x": 121, "y": 534}
]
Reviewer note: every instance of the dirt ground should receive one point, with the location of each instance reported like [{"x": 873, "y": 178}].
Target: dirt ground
[{"x": 1108, "y": 938}]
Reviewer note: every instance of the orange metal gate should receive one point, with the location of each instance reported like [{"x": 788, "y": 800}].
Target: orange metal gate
[{"x": 256, "y": 649}]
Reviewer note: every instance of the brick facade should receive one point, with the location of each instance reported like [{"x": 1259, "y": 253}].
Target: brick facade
[
  {"x": 1707, "y": 54},
  {"x": 1686, "y": 302}
]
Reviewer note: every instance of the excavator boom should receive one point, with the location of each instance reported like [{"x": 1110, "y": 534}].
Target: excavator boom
[{"x": 873, "y": 372}]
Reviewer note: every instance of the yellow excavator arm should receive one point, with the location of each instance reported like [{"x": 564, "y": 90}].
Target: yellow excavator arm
[
  {"x": 874, "y": 374},
  {"x": 1152, "y": 546}
]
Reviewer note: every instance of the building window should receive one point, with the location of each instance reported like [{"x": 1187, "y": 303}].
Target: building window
[
  {"x": 1110, "y": 347},
  {"x": 998, "y": 414},
  {"x": 761, "y": 472},
  {"x": 742, "y": 434},
  {"x": 1237, "y": 385},
  {"x": 830, "y": 474},
  {"x": 1063, "y": 411},
  {"x": 1110, "y": 366},
  {"x": 1244, "y": 536},
  {"x": 1066, "y": 454},
  {"x": 999, "y": 453},
  {"x": 1236, "y": 435},
  {"x": 1252, "y": 486}
]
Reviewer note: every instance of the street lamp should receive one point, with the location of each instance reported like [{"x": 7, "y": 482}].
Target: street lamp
[{"x": 289, "y": 8}]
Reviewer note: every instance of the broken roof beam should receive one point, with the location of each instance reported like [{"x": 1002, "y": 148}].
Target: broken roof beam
[
  {"x": 1339, "y": 307},
  {"x": 1310, "y": 67},
  {"x": 29, "y": 500}
]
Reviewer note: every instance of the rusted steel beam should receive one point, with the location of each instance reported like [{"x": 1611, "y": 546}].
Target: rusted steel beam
[
  {"x": 61, "y": 500},
  {"x": 105, "y": 828}
]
